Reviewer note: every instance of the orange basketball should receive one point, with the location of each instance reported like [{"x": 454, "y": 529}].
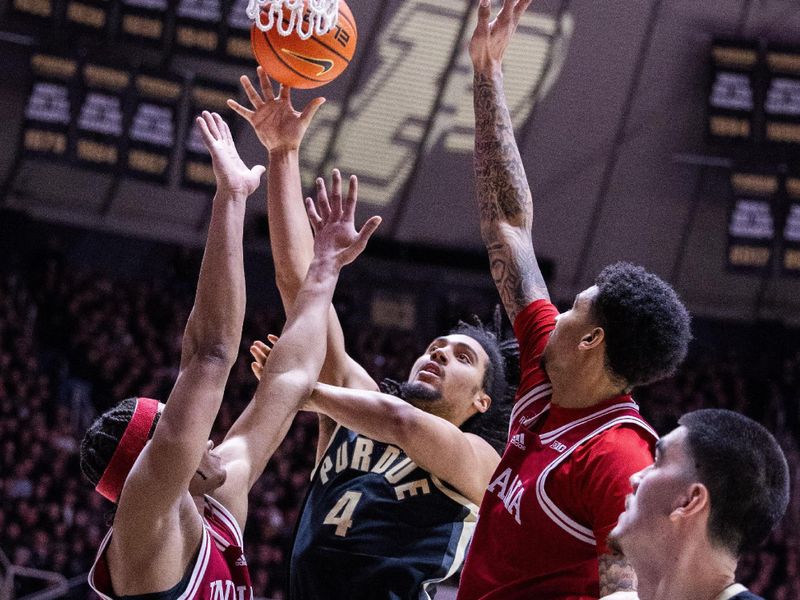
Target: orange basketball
[{"x": 310, "y": 63}]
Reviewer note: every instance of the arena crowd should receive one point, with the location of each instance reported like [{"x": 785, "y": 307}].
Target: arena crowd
[{"x": 73, "y": 342}]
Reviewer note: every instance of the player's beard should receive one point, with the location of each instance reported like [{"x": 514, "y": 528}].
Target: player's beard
[{"x": 418, "y": 393}]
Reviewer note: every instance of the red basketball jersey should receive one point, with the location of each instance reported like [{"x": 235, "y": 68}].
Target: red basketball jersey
[
  {"x": 219, "y": 572},
  {"x": 559, "y": 488}
]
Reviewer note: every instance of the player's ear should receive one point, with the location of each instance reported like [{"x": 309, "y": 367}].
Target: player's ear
[
  {"x": 592, "y": 339},
  {"x": 482, "y": 402}
]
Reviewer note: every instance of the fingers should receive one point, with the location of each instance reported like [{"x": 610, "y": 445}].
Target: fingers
[
  {"x": 313, "y": 215},
  {"x": 311, "y": 109},
  {"x": 322, "y": 200},
  {"x": 264, "y": 83},
  {"x": 240, "y": 110},
  {"x": 208, "y": 139},
  {"x": 260, "y": 351},
  {"x": 484, "y": 12},
  {"x": 336, "y": 195},
  {"x": 349, "y": 209},
  {"x": 251, "y": 92},
  {"x": 366, "y": 232},
  {"x": 519, "y": 8},
  {"x": 272, "y": 338},
  {"x": 285, "y": 93},
  {"x": 222, "y": 127},
  {"x": 212, "y": 125},
  {"x": 258, "y": 171},
  {"x": 257, "y": 369},
  {"x": 506, "y": 11}
]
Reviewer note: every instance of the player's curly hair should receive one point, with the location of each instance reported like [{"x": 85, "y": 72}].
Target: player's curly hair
[
  {"x": 746, "y": 474},
  {"x": 499, "y": 381},
  {"x": 647, "y": 328},
  {"x": 102, "y": 437}
]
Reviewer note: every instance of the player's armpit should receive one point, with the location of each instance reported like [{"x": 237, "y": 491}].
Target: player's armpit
[{"x": 616, "y": 575}]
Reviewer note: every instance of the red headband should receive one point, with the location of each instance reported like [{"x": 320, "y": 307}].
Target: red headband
[{"x": 128, "y": 449}]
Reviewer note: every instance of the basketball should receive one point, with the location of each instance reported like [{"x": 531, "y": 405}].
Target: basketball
[{"x": 310, "y": 63}]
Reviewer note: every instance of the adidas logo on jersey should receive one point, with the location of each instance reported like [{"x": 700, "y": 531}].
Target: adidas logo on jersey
[
  {"x": 519, "y": 441},
  {"x": 241, "y": 562}
]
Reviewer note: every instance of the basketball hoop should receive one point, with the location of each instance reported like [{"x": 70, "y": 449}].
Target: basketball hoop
[{"x": 322, "y": 16}]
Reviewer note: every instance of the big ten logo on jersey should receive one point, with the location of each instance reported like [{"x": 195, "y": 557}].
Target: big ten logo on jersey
[
  {"x": 225, "y": 589},
  {"x": 509, "y": 491},
  {"x": 395, "y": 96}
]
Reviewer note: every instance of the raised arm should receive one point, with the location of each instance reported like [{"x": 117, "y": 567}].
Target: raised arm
[
  {"x": 160, "y": 477},
  {"x": 504, "y": 198},
  {"x": 281, "y": 128},
  {"x": 463, "y": 460},
  {"x": 294, "y": 364}
]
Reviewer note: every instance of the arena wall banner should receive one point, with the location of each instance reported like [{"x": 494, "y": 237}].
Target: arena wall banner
[
  {"x": 197, "y": 27},
  {"x": 782, "y": 99},
  {"x": 152, "y": 134},
  {"x": 34, "y": 16},
  {"x": 235, "y": 46},
  {"x": 51, "y": 106},
  {"x": 790, "y": 247},
  {"x": 88, "y": 17},
  {"x": 145, "y": 22},
  {"x": 99, "y": 138},
  {"x": 204, "y": 94},
  {"x": 752, "y": 221},
  {"x": 733, "y": 97}
]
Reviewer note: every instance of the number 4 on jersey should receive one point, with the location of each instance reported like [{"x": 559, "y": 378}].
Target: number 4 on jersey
[{"x": 341, "y": 514}]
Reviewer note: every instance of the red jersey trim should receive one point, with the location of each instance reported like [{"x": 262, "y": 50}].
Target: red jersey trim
[{"x": 549, "y": 507}]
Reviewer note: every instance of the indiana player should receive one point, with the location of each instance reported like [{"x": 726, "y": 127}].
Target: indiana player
[
  {"x": 393, "y": 499},
  {"x": 181, "y": 505},
  {"x": 576, "y": 435}
]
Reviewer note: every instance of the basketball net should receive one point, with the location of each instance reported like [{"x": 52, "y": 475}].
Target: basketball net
[{"x": 322, "y": 16}]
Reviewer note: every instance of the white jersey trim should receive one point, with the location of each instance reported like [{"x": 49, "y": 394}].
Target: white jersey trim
[
  {"x": 531, "y": 396},
  {"x": 469, "y": 523},
  {"x": 549, "y": 507},
  {"x": 194, "y": 580},
  {"x": 550, "y": 435},
  {"x": 228, "y": 519}
]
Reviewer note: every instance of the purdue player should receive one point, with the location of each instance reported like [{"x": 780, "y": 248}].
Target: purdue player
[
  {"x": 394, "y": 496},
  {"x": 181, "y": 505}
]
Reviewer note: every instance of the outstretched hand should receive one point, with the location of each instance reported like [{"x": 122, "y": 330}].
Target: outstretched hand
[
  {"x": 231, "y": 173},
  {"x": 491, "y": 38},
  {"x": 276, "y": 123},
  {"x": 335, "y": 235},
  {"x": 260, "y": 351}
]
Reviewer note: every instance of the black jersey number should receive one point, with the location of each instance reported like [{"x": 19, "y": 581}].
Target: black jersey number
[{"x": 341, "y": 515}]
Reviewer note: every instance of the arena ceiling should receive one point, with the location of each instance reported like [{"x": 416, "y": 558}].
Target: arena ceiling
[{"x": 608, "y": 101}]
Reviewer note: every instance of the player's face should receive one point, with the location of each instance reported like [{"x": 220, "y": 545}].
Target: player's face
[
  {"x": 658, "y": 491},
  {"x": 210, "y": 474},
  {"x": 561, "y": 349},
  {"x": 450, "y": 372}
]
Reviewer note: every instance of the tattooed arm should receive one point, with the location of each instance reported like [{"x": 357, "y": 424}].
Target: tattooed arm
[
  {"x": 616, "y": 576},
  {"x": 504, "y": 198}
]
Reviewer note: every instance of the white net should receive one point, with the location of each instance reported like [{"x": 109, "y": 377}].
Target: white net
[{"x": 322, "y": 16}]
